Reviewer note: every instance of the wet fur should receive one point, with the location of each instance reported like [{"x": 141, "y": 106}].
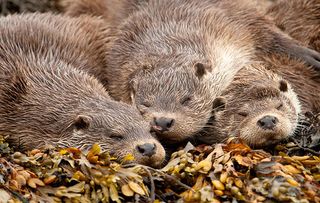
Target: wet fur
[
  {"x": 162, "y": 37},
  {"x": 290, "y": 17},
  {"x": 254, "y": 93},
  {"x": 300, "y": 19},
  {"x": 112, "y": 11},
  {"x": 45, "y": 97}
]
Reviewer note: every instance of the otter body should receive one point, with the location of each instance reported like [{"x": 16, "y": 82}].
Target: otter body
[
  {"x": 264, "y": 103},
  {"x": 45, "y": 98},
  {"x": 300, "y": 19},
  {"x": 243, "y": 114},
  {"x": 173, "y": 58},
  {"x": 112, "y": 11}
]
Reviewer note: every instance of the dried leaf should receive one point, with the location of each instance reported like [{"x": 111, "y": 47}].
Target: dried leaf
[
  {"x": 35, "y": 182},
  {"x": 136, "y": 188},
  {"x": 125, "y": 189},
  {"x": 114, "y": 193}
]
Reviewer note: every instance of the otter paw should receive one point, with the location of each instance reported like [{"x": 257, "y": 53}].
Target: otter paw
[{"x": 310, "y": 56}]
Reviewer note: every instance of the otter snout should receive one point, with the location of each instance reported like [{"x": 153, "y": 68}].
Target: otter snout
[
  {"x": 148, "y": 152},
  {"x": 266, "y": 129},
  {"x": 268, "y": 122},
  {"x": 147, "y": 149},
  {"x": 162, "y": 124}
]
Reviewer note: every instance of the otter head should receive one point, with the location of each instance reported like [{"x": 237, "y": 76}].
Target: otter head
[
  {"x": 119, "y": 129},
  {"x": 260, "y": 110},
  {"x": 177, "y": 102}
]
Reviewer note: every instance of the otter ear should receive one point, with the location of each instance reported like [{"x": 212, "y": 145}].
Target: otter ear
[
  {"x": 132, "y": 90},
  {"x": 132, "y": 96},
  {"x": 283, "y": 86},
  {"x": 202, "y": 69},
  {"x": 82, "y": 122},
  {"x": 219, "y": 104}
]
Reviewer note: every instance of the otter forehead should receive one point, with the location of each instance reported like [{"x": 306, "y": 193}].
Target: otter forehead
[
  {"x": 261, "y": 93},
  {"x": 117, "y": 114},
  {"x": 168, "y": 80}
]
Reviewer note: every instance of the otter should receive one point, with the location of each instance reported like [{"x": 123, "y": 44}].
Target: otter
[
  {"x": 303, "y": 79},
  {"x": 264, "y": 103},
  {"x": 12, "y": 6},
  {"x": 112, "y": 11},
  {"x": 305, "y": 28},
  {"x": 235, "y": 113},
  {"x": 173, "y": 58},
  {"x": 300, "y": 19},
  {"x": 259, "y": 106},
  {"x": 45, "y": 97}
]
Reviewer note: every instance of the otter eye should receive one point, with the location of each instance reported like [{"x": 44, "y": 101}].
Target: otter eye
[
  {"x": 279, "y": 106},
  {"x": 186, "y": 101},
  {"x": 142, "y": 109},
  {"x": 242, "y": 113},
  {"x": 146, "y": 104},
  {"x": 116, "y": 137}
]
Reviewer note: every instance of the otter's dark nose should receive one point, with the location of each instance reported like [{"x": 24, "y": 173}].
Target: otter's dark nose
[
  {"x": 163, "y": 124},
  {"x": 147, "y": 149},
  {"x": 267, "y": 122}
]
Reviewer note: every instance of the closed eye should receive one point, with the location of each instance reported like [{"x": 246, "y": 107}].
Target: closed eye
[
  {"x": 242, "y": 113},
  {"x": 280, "y": 106},
  {"x": 146, "y": 104},
  {"x": 185, "y": 101},
  {"x": 116, "y": 137}
]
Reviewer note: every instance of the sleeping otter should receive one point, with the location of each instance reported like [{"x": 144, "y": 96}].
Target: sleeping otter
[
  {"x": 46, "y": 99},
  {"x": 209, "y": 41},
  {"x": 258, "y": 106},
  {"x": 173, "y": 58},
  {"x": 236, "y": 114}
]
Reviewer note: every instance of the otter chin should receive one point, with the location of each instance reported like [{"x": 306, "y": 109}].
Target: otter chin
[{"x": 258, "y": 106}]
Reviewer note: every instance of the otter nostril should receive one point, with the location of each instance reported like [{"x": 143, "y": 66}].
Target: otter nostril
[
  {"x": 170, "y": 123},
  {"x": 147, "y": 149},
  {"x": 267, "y": 122},
  {"x": 274, "y": 120},
  {"x": 163, "y": 124}
]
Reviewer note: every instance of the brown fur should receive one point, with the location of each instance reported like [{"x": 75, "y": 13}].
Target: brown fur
[
  {"x": 299, "y": 18},
  {"x": 154, "y": 56},
  {"x": 304, "y": 80},
  {"x": 251, "y": 95},
  {"x": 291, "y": 16},
  {"x": 46, "y": 99},
  {"x": 155, "y": 43},
  {"x": 254, "y": 93},
  {"x": 113, "y": 11}
]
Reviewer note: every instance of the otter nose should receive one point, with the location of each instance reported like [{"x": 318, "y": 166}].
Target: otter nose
[
  {"x": 267, "y": 122},
  {"x": 147, "y": 149},
  {"x": 163, "y": 124}
]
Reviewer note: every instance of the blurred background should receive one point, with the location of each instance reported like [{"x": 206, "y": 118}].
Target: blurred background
[{"x": 21, "y": 6}]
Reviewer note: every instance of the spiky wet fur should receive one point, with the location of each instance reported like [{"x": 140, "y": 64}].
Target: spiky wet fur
[{"x": 43, "y": 89}]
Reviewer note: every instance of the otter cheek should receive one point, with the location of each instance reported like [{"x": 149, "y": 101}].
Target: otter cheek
[
  {"x": 285, "y": 128},
  {"x": 253, "y": 136}
]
